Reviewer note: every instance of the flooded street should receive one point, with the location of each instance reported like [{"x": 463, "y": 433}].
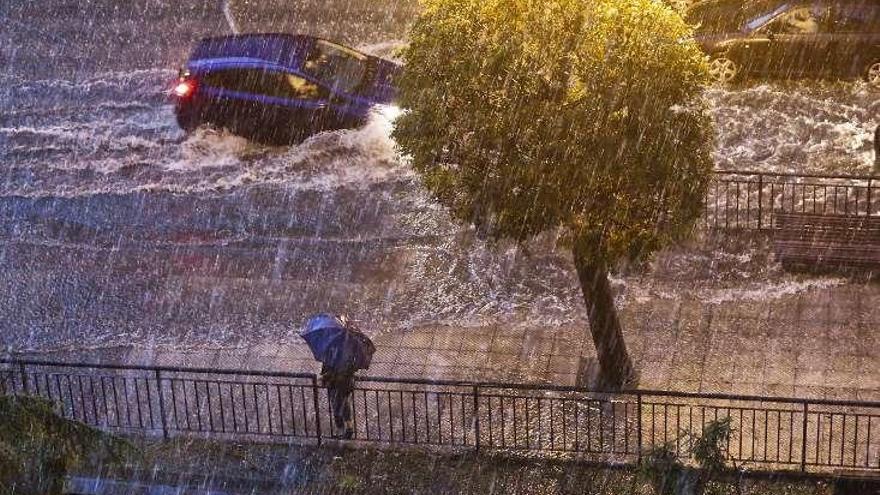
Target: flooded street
[{"x": 118, "y": 229}]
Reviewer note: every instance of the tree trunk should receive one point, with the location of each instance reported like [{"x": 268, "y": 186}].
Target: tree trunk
[
  {"x": 876, "y": 151},
  {"x": 615, "y": 366}
]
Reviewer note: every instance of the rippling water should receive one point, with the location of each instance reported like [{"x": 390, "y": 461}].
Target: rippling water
[
  {"x": 119, "y": 229},
  {"x": 800, "y": 126}
]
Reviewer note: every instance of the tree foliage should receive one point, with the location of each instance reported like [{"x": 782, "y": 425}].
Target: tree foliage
[
  {"x": 524, "y": 116},
  {"x": 38, "y": 447}
]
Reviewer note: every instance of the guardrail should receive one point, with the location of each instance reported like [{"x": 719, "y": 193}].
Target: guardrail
[
  {"x": 770, "y": 433},
  {"x": 745, "y": 200}
]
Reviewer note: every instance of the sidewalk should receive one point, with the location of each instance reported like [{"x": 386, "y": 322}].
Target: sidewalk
[{"x": 821, "y": 343}]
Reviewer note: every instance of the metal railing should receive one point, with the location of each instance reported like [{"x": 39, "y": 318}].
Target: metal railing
[
  {"x": 769, "y": 433},
  {"x": 744, "y": 200}
]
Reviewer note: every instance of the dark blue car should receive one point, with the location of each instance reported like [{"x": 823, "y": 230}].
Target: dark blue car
[{"x": 280, "y": 88}]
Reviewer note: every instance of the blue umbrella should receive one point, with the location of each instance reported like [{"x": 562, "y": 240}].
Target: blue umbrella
[{"x": 338, "y": 344}]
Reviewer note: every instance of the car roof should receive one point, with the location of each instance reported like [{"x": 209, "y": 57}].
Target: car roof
[
  {"x": 275, "y": 49},
  {"x": 222, "y": 63},
  {"x": 734, "y": 5}
]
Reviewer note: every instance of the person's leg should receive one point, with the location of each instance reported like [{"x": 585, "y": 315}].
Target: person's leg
[
  {"x": 337, "y": 405},
  {"x": 346, "y": 414}
]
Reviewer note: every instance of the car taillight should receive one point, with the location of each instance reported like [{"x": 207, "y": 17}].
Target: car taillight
[{"x": 184, "y": 88}]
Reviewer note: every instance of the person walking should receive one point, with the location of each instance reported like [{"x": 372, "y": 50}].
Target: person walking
[{"x": 342, "y": 350}]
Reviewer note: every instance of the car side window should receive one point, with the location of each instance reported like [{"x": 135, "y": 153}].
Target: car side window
[
  {"x": 856, "y": 18},
  {"x": 266, "y": 83},
  {"x": 224, "y": 79},
  {"x": 303, "y": 89},
  {"x": 243, "y": 80},
  {"x": 800, "y": 20},
  {"x": 336, "y": 66},
  {"x": 761, "y": 20}
]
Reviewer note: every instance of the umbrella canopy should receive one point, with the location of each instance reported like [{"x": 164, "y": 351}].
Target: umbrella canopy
[{"x": 337, "y": 343}]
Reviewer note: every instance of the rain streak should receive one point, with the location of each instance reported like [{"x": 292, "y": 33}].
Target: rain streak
[{"x": 118, "y": 228}]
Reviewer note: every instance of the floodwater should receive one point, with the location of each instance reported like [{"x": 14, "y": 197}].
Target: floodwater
[{"x": 118, "y": 229}]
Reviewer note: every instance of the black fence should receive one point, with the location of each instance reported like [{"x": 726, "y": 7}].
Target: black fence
[
  {"x": 748, "y": 200},
  {"x": 768, "y": 433}
]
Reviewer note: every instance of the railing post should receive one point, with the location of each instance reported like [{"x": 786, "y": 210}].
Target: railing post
[
  {"x": 315, "y": 391},
  {"x": 477, "y": 418},
  {"x": 804, "y": 439},
  {"x": 639, "y": 423},
  {"x": 24, "y": 381},
  {"x": 161, "y": 404},
  {"x": 760, "y": 201}
]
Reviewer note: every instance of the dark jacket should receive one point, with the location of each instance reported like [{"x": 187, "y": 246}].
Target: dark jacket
[{"x": 342, "y": 380}]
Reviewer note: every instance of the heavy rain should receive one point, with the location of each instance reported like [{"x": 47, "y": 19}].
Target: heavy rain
[{"x": 173, "y": 264}]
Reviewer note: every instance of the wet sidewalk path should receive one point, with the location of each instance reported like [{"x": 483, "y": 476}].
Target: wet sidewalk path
[{"x": 819, "y": 344}]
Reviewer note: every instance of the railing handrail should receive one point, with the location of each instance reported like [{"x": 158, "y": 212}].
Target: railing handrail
[
  {"x": 748, "y": 199},
  {"x": 168, "y": 369},
  {"x": 794, "y": 174},
  {"x": 195, "y": 404},
  {"x": 456, "y": 383}
]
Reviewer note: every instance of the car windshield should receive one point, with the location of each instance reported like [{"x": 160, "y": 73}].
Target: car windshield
[
  {"x": 764, "y": 18},
  {"x": 336, "y": 66}
]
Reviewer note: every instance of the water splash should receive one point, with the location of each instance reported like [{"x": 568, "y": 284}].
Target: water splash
[{"x": 806, "y": 127}]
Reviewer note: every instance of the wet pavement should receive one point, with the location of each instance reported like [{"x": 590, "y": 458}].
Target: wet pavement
[{"x": 815, "y": 342}]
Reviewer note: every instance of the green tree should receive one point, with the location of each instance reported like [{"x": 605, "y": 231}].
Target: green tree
[
  {"x": 38, "y": 447},
  {"x": 580, "y": 115}
]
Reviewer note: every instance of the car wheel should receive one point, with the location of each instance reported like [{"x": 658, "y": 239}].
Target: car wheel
[
  {"x": 722, "y": 70},
  {"x": 188, "y": 122},
  {"x": 189, "y": 116},
  {"x": 872, "y": 74}
]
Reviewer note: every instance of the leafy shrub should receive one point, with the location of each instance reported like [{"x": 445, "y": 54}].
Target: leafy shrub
[
  {"x": 709, "y": 450},
  {"x": 349, "y": 482},
  {"x": 661, "y": 467},
  {"x": 38, "y": 447},
  {"x": 668, "y": 476}
]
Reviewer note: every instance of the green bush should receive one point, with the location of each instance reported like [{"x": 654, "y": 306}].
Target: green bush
[
  {"x": 38, "y": 447},
  {"x": 667, "y": 475},
  {"x": 709, "y": 450},
  {"x": 661, "y": 467}
]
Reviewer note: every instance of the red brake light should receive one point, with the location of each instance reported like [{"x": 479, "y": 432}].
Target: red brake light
[{"x": 184, "y": 88}]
